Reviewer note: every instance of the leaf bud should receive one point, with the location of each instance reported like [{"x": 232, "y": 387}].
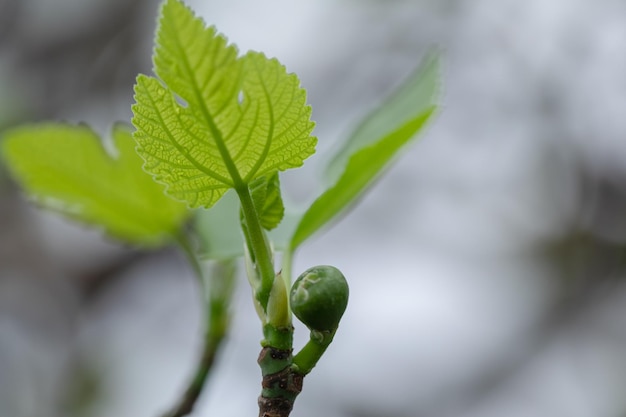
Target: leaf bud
[{"x": 277, "y": 307}]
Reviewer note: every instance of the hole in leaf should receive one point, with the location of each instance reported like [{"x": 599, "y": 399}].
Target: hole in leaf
[
  {"x": 240, "y": 97},
  {"x": 181, "y": 102}
]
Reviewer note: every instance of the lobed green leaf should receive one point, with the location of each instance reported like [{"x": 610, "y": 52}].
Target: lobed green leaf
[
  {"x": 213, "y": 120},
  {"x": 65, "y": 168}
]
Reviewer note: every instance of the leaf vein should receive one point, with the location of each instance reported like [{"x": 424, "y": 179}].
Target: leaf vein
[
  {"x": 179, "y": 147},
  {"x": 217, "y": 134}
]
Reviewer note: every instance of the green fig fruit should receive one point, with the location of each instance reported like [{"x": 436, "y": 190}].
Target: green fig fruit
[{"x": 319, "y": 298}]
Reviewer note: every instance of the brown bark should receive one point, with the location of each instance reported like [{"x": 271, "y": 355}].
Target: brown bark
[{"x": 280, "y": 388}]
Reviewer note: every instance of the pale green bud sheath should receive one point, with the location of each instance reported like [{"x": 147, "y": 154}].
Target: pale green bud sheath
[{"x": 278, "y": 314}]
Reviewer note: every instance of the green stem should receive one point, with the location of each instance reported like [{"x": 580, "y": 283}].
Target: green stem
[
  {"x": 259, "y": 247},
  {"x": 280, "y": 385},
  {"x": 311, "y": 353},
  {"x": 276, "y": 337},
  {"x": 217, "y": 291}
]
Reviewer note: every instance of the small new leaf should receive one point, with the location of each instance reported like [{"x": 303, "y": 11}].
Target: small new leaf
[
  {"x": 65, "y": 168},
  {"x": 267, "y": 200},
  {"x": 213, "y": 120}
]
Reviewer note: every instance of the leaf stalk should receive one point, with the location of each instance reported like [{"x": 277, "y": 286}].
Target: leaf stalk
[
  {"x": 259, "y": 247},
  {"x": 217, "y": 289}
]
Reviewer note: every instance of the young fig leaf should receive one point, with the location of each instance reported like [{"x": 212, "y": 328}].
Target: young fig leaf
[
  {"x": 371, "y": 148},
  {"x": 214, "y": 120},
  {"x": 417, "y": 95},
  {"x": 65, "y": 168},
  {"x": 267, "y": 200}
]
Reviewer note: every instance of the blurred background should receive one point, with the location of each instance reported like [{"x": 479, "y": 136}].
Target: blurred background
[{"x": 486, "y": 267}]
